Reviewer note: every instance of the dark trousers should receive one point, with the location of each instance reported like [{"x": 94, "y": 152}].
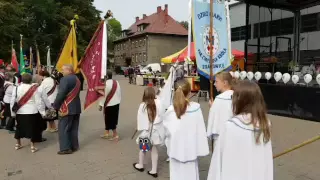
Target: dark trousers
[
  {"x": 10, "y": 124},
  {"x": 68, "y": 132},
  {"x": 130, "y": 78},
  {"x": 3, "y": 122}
]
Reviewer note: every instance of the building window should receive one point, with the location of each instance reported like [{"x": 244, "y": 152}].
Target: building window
[
  {"x": 239, "y": 33},
  {"x": 144, "y": 57},
  {"x": 140, "y": 43},
  {"x": 140, "y": 57},
  {"x": 309, "y": 22},
  {"x": 132, "y": 45},
  {"x": 144, "y": 42},
  {"x": 136, "y": 43},
  {"x": 136, "y": 57}
]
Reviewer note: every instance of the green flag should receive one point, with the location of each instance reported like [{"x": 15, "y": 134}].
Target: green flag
[{"x": 22, "y": 67}]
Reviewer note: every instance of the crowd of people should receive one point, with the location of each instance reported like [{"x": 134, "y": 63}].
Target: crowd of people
[
  {"x": 237, "y": 125},
  {"x": 29, "y": 102},
  {"x": 237, "y": 122}
]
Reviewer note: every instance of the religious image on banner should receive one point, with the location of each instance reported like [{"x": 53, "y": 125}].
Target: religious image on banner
[
  {"x": 92, "y": 64},
  {"x": 27, "y": 64},
  {"x": 201, "y": 35}
]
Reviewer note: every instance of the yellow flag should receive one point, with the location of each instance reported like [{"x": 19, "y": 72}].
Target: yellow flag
[{"x": 69, "y": 53}]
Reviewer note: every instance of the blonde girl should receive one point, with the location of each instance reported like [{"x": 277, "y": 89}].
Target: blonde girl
[{"x": 186, "y": 133}]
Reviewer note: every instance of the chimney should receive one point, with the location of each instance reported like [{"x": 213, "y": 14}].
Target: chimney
[
  {"x": 166, "y": 9},
  {"x": 144, "y": 16},
  {"x": 137, "y": 19},
  {"x": 158, "y": 9}
]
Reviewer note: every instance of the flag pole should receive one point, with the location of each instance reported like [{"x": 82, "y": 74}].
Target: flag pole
[
  {"x": 211, "y": 59},
  {"x": 211, "y": 49}
]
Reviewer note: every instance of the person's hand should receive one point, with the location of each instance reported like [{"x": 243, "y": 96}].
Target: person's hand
[
  {"x": 100, "y": 108},
  {"x": 210, "y": 102}
]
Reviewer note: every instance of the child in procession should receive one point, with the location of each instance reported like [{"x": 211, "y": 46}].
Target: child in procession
[
  {"x": 246, "y": 151},
  {"x": 221, "y": 107},
  {"x": 186, "y": 133},
  {"x": 152, "y": 130}
]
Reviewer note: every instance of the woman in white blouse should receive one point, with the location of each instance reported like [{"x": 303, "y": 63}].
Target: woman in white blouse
[
  {"x": 27, "y": 113},
  {"x": 49, "y": 86}
]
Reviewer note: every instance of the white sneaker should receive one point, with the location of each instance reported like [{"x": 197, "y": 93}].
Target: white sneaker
[{"x": 168, "y": 160}]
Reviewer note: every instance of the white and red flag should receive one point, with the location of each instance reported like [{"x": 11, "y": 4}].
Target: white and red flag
[{"x": 93, "y": 65}]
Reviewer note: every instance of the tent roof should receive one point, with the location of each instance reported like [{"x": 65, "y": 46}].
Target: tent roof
[{"x": 291, "y": 5}]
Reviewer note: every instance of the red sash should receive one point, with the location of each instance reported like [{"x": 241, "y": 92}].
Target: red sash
[
  {"x": 26, "y": 97},
  {"x": 111, "y": 94},
  {"x": 64, "y": 110},
  {"x": 52, "y": 89}
]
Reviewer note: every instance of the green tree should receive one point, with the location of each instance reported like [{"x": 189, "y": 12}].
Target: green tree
[
  {"x": 114, "y": 31},
  {"x": 185, "y": 24},
  {"x": 46, "y": 23}
]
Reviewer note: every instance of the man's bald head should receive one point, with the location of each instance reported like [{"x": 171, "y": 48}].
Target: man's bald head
[{"x": 67, "y": 69}]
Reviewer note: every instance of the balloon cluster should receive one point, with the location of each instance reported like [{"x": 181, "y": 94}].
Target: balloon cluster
[{"x": 286, "y": 77}]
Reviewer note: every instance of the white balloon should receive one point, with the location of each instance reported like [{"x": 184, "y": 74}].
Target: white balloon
[
  {"x": 277, "y": 76},
  {"x": 243, "y": 75},
  {"x": 295, "y": 79},
  {"x": 250, "y": 75},
  {"x": 257, "y": 75},
  {"x": 307, "y": 78},
  {"x": 318, "y": 79},
  {"x": 267, "y": 75},
  {"x": 236, "y": 74},
  {"x": 232, "y": 73},
  {"x": 286, "y": 77}
]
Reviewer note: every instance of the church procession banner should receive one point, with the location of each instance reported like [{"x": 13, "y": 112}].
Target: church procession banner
[
  {"x": 94, "y": 63},
  {"x": 221, "y": 41}
]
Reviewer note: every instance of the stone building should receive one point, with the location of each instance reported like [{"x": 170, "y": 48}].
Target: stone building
[{"x": 149, "y": 39}]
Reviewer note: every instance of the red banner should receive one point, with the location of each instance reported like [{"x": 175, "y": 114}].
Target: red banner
[{"x": 91, "y": 66}]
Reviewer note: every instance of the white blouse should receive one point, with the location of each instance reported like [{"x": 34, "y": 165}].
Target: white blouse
[
  {"x": 34, "y": 104},
  {"x": 8, "y": 93},
  {"x": 116, "y": 99},
  {"x": 46, "y": 85}
]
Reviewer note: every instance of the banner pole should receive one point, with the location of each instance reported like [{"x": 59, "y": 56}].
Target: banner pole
[
  {"x": 211, "y": 59},
  {"x": 211, "y": 49}
]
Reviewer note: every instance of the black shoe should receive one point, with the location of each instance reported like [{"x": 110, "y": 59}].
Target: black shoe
[
  {"x": 65, "y": 152},
  {"x": 42, "y": 140},
  {"x": 153, "y": 175},
  {"x": 138, "y": 169},
  {"x": 75, "y": 150}
]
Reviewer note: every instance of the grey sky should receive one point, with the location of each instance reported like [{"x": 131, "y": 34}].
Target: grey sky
[{"x": 126, "y": 10}]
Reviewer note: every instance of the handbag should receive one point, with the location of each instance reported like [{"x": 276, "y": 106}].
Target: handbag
[
  {"x": 145, "y": 143},
  {"x": 15, "y": 106}
]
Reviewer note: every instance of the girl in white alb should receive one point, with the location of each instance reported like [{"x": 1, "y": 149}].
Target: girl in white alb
[
  {"x": 244, "y": 151},
  {"x": 186, "y": 133},
  {"x": 221, "y": 108},
  {"x": 150, "y": 123}
]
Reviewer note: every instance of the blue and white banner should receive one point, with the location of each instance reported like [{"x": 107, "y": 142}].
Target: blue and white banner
[{"x": 221, "y": 41}]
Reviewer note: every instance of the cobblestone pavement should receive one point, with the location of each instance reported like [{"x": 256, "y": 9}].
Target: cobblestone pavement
[{"x": 100, "y": 159}]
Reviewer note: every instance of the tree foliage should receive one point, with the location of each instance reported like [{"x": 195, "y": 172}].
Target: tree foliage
[
  {"x": 47, "y": 22},
  {"x": 185, "y": 24}
]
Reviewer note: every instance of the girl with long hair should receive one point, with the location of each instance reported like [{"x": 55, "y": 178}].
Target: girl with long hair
[
  {"x": 186, "y": 133},
  {"x": 221, "y": 107},
  {"x": 246, "y": 151},
  {"x": 151, "y": 127}
]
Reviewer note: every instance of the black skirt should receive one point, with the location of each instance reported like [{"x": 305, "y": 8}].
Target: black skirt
[
  {"x": 111, "y": 117},
  {"x": 27, "y": 126},
  {"x": 7, "y": 111}
]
